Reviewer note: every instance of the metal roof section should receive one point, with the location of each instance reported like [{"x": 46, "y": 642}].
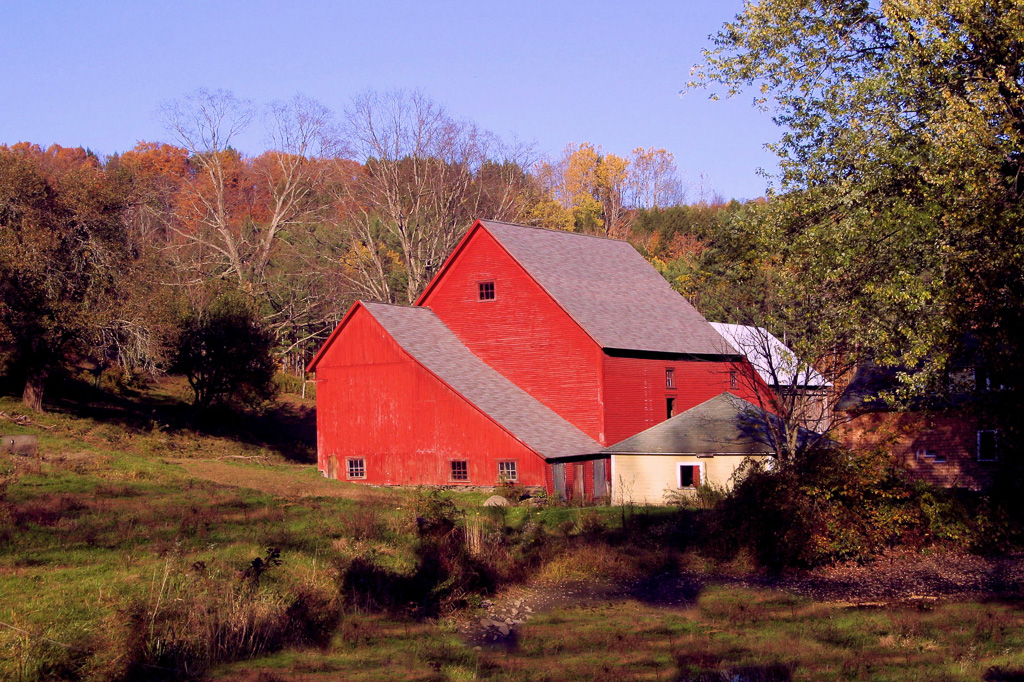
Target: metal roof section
[
  {"x": 611, "y": 291},
  {"x": 773, "y": 360},
  {"x": 422, "y": 334},
  {"x": 723, "y": 425}
]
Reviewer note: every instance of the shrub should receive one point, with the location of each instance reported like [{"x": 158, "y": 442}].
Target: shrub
[
  {"x": 831, "y": 505},
  {"x": 706, "y": 496},
  {"x": 226, "y": 354}
]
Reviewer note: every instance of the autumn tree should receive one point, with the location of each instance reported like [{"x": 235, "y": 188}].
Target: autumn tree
[
  {"x": 265, "y": 223},
  {"x": 62, "y": 255},
  {"x": 601, "y": 191},
  {"x": 654, "y": 180}
]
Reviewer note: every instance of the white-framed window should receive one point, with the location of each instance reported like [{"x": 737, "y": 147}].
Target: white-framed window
[
  {"x": 508, "y": 471},
  {"x": 929, "y": 456},
  {"x": 355, "y": 467},
  {"x": 460, "y": 470},
  {"x": 988, "y": 445},
  {"x": 689, "y": 475},
  {"x": 670, "y": 377}
]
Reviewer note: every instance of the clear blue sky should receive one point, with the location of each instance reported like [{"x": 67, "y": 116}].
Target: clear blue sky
[{"x": 93, "y": 73}]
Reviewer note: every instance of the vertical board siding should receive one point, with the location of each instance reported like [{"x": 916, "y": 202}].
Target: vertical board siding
[
  {"x": 635, "y": 391},
  {"x": 374, "y": 401},
  {"x": 522, "y": 332}
]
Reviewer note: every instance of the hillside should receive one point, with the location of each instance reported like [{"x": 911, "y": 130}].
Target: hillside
[{"x": 144, "y": 544}]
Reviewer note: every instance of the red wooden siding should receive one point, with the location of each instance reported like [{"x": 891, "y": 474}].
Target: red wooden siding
[
  {"x": 374, "y": 401},
  {"x": 635, "y": 391},
  {"x": 522, "y": 332}
]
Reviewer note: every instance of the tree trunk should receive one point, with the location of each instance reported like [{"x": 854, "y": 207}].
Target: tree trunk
[{"x": 32, "y": 396}]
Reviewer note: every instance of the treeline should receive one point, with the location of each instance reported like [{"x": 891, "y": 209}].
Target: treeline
[{"x": 155, "y": 258}]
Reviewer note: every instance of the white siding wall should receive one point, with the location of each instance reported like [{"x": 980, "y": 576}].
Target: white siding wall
[{"x": 643, "y": 479}]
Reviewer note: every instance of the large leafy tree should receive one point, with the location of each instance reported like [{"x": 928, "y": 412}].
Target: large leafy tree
[
  {"x": 899, "y": 208},
  {"x": 63, "y": 251}
]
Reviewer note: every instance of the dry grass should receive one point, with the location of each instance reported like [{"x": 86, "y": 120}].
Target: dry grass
[
  {"x": 588, "y": 562},
  {"x": 289, "y": 481}
]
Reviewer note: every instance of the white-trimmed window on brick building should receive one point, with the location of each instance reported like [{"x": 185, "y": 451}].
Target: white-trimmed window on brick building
[
  {"x": 689, "y": 476},
  {"x": 355, "y": 467},
  {"x": 929, "y": 456},
  {"x": 508, "y": 471},
  {"x": 988, "y": 445},
  {"x": 460, "y": 470}
]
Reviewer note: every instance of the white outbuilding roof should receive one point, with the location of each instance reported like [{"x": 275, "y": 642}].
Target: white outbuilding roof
[{"x": 773, "y": 360}]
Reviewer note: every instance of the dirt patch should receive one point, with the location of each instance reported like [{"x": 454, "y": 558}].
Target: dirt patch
[
  {"x": 907, "y": 574},
  {"x": 279, "y": 480},
  {"x": 899, "y": 578}
]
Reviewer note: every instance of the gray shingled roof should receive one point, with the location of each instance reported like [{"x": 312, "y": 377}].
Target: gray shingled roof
[
  {"x": 422, "y": 334},
  {"x": 773, "y": 360},
  {"x": 611, "y": 291},
  {"x": 722, "y": 425}
]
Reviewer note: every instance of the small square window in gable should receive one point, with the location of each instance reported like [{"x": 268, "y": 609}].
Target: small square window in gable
[{"x": 485, "y": 291}]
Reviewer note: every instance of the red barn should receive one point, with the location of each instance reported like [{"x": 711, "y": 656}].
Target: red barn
[{"x": 528, "y": 353}]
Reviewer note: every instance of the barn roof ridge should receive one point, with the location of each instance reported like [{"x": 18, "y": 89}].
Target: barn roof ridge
[
  {"x": 556, "y": 230},
  {"x": 774, "y": 361},
  {"x": 609, "y": 289},
  {"x": 425, "y": 337}
]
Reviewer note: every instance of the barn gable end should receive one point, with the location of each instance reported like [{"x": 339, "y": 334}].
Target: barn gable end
[
  {"x": 398, "y": 395},
  {"x": 522, "y": 331}
]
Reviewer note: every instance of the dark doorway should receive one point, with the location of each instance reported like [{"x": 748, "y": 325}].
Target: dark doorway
[
  {"x": 558, "y": 474},
  {"x": 600, "y": 478}
]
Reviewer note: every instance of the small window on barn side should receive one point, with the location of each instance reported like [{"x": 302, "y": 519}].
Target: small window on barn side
[
  {"x": 670, "y": 377},
  {"x": 460, "y": 470},
  {"x": 689, "y": 475},
  {"x": 988, "y": 444},
  {"x": 486, "y": 291},
  {"x": 355, "y": 467},
  {"x": 508, "y": 472},
  {"x": 734, "y": 379},
  {"x": 670, "y": 406}
]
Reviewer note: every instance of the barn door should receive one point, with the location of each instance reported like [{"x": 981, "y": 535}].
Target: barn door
[
  {"x": 558, "y": 474},
  {"x": 600, "y": 478},
  {"x": 578, "y": 477},
  {"x": 332, "y": 466}
]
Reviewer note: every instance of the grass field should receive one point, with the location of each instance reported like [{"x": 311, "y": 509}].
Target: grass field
[
  {"x": 728, "y": 632},
  {"x": 140, "y": 545}
]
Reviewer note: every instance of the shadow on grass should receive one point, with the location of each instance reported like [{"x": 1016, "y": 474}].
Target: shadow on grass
[{"x": 285, "y": 426}]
